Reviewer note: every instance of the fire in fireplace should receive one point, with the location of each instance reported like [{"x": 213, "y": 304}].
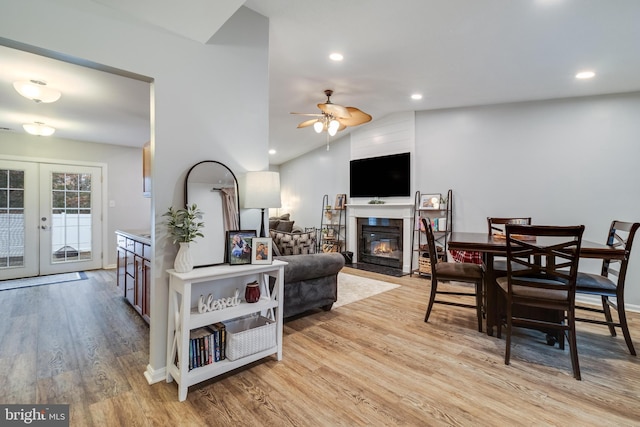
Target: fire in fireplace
[{"x": 380, "y": 241}]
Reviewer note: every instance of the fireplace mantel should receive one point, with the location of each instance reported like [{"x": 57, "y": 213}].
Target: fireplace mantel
[{"x": 402, "y": 211}]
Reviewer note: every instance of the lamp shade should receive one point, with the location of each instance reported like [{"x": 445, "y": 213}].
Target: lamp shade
[{"x": 261, "y": 190}]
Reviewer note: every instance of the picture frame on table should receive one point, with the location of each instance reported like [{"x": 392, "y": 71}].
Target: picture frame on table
[
  {"x": 262, "y": 250},
  {"x": 341, "y": 200},
  {"x": 239, "y": 243},
  {"x": 430, "y": 201}
]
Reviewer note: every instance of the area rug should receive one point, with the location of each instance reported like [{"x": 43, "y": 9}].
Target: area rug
[
  {"x": 41, "y": 280},
  {"x": 353, "y": 288}
]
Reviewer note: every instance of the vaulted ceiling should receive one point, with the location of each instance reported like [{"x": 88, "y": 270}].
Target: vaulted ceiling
[{"x": 455, "y": 53}]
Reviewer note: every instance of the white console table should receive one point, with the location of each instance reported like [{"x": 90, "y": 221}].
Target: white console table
[{"x": 221, "y": 281}]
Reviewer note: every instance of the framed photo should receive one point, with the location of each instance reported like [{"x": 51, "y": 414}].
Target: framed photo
[
  {"x": 239, "y": 244},
  {"x": 261, "y": 251},
  {"x": 341, "y": 200},
  {"x": 430, "y": 201}
]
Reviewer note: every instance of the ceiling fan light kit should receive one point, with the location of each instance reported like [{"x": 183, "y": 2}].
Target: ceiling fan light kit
[
  {"x": 333, "y": 117},
  {"x": 37, "y": 91}
]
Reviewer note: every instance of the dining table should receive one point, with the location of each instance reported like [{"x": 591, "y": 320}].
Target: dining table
[{"x": 491, "y": 246}]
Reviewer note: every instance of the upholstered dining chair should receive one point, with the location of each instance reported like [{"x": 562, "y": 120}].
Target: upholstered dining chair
[
  {"x": 610, "y": 282},
  {"x": 548, "y": 257},
  {"x": 496, "y": 226},
  {"x": 452, "y": 271}
]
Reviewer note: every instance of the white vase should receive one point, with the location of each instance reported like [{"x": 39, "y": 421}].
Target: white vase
[{"x": 183, "y": 262}]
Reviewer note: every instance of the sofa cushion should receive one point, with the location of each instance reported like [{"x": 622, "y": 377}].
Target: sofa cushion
[{"x": 294, "y": 243}]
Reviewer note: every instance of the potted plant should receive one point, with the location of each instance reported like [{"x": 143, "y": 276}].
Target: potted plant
[{"x": 184, "y": 226}]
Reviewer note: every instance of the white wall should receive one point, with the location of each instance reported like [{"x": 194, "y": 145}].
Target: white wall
[
  {"x": 132, "y": 211},
  {"x": 203, "y": 98},
  {"x": 305, "y": 180},
  {"x": 568, "y": 161}
]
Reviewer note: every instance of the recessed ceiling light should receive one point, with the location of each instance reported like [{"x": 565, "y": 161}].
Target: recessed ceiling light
[
  {"x": 416, "y": 96},
  {"x": 336, "y": 56},
  {"x": 272, "y": 151},
  {"x": 585, "y": 75}
]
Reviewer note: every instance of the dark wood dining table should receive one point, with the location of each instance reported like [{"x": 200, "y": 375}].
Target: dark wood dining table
[{"x": 491, "y": 246}]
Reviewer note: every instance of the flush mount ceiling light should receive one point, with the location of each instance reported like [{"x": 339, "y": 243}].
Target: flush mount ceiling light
[
  {"x": 38, "y": 129},
  {"x": 585, "y": 75},
  {"x": 37, "y": 90},
  {"x": 336, "y": 56},
  {"x": 416, "y": 96}
]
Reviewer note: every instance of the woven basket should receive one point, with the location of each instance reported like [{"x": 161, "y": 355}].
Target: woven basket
[
  {"x": 424, "y": 265},
  {"x": 249, "y": 335}
]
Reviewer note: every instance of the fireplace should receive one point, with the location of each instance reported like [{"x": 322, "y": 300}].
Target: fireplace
[{"x": 380, "y": 241}]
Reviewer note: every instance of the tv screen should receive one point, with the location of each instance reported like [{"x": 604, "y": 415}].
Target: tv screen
[{"x": 385, "y": 176}]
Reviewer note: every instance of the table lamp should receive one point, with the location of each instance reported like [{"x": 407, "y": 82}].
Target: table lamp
[{"x": 261, "y": 191}]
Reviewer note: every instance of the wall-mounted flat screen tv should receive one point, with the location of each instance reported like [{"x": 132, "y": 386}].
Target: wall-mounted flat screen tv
[{"x": 384, "y": 176}]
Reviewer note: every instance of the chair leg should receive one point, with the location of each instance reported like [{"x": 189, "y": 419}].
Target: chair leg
[
  {"x": 607, "y": 315},
  {"x": 622, "y": 315},
  {"x": 432, "y": 298},
  {"x": 507, "y": 349},
  {"x": 479, "y": 304},
  {"x": 573, "y": 346}
]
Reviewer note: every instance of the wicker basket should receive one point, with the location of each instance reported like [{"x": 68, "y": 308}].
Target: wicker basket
[
  {"x": 424, "y": 265},
  {"x": 249, "y": 335}
]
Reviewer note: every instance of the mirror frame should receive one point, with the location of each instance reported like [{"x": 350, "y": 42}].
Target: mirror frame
[{"x": 187, "y": 203}]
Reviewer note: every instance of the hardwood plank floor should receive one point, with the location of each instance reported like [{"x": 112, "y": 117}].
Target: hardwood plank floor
[{"x": 373, "y": 362}]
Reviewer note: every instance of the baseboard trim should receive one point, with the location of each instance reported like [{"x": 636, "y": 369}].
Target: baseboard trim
[
  {"x": 155, "y": 375},
  {"x": 597, "y": 302}
]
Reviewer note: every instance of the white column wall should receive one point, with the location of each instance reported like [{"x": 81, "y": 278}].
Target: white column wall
[{"x": 203, "y": 97}]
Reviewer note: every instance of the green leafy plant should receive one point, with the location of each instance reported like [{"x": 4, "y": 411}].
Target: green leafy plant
[{"x": 184, "y": 224}]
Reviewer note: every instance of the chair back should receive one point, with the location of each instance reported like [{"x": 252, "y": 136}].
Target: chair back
[
  {"x": 621, "y": 235},
  {"x": 431, "y": 244},
  {"x": 547, "y": 257},
  {"x": 496, "y": 225}
]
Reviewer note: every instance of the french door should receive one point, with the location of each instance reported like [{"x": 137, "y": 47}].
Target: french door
[{"x": 50, "y": 218}]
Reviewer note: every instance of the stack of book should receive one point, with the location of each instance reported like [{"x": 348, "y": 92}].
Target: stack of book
[{"x": 207, "y": 345}]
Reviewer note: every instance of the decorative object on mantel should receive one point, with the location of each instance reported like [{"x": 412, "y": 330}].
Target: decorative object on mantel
[
  {"x": 376, "y": 202},
  {"x": 219, "y": 304},
  {"x": 184, "y": 226}
]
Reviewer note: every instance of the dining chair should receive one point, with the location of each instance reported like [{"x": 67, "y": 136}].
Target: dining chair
[
  {"x": 496, "y": 226},
  {"x": 610, "y": 282},
  {"x": 452, "y": 271},
  {"x": 548, "y": 258}
]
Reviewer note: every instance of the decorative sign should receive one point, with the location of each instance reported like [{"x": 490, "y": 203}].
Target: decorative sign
[{"x": 219, "y": 304}]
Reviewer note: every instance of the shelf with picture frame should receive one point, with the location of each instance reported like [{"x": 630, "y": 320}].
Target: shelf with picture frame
[
  {"x": 438, "y": 209},
  {"x": 333, "y": 224}
]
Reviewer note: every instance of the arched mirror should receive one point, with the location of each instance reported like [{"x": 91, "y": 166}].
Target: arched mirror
[{"x": 214, "y": 188}]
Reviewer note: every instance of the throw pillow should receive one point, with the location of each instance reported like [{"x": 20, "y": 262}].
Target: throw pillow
[
  {"x": 285, "y": 226},
  {"x": 273, "y": 223}
]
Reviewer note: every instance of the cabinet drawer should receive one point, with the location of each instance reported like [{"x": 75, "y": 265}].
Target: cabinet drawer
[
  {"x": 131, "y": 245},
  {"x": 121, "y": 241}
]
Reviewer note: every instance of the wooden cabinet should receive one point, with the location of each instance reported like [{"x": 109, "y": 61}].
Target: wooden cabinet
[
  {"x": 134, "y": 267},
  {"x": 220, "y": 281}
]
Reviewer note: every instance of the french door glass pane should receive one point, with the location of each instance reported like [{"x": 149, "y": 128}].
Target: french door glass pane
[
  {"x": 70, "y": 217},
  {"x": 12, "y": 231}
]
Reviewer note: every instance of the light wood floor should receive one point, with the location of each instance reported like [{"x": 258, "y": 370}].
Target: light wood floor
[{"x": 373, "y": 362}]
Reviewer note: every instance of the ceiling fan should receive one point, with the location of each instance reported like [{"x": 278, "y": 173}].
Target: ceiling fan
[{"x": 334, "y": 117}]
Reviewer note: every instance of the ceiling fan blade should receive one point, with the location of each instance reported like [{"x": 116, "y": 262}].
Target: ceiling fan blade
[
  {"x": 358, "y": 117},
  {"x": 309, "y": 114},
  {"x": 335, "y": 110},
  {"x": 307, "y": 123}
]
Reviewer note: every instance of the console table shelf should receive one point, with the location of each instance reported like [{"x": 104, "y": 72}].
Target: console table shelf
[{"x": 220, "y": 281}]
